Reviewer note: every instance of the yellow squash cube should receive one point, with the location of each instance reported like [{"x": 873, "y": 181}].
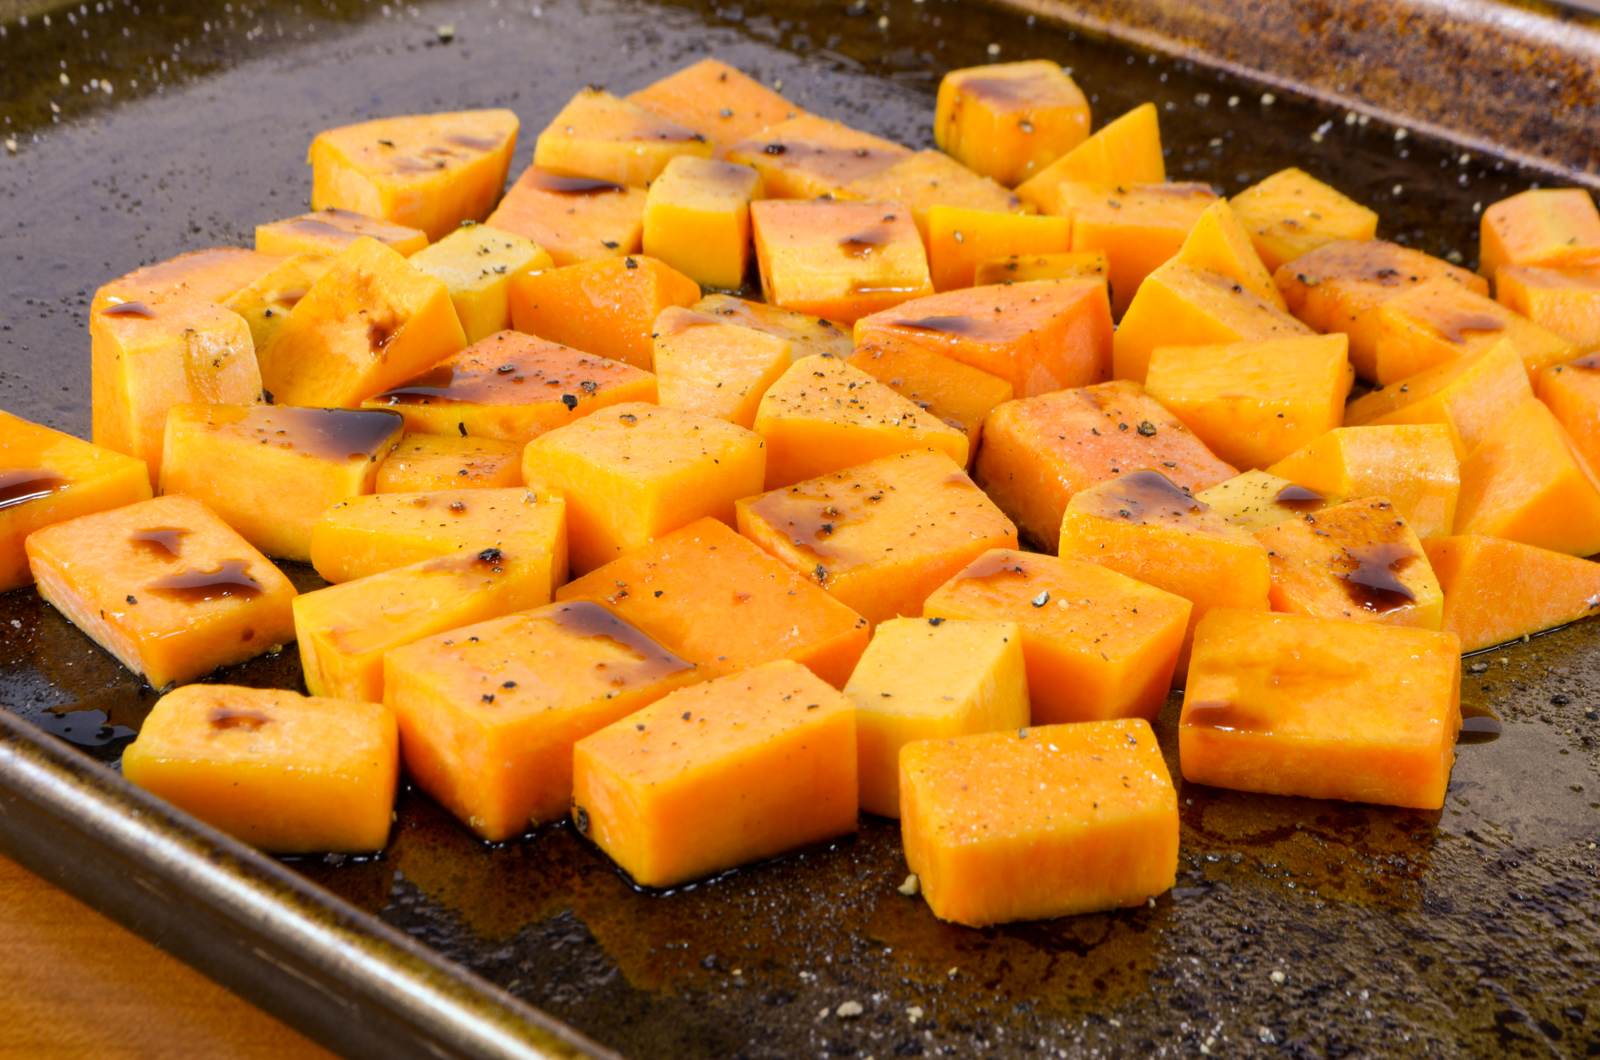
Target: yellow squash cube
[
  {"x": 1414, "y": 465},
  {"x": 1010, "y": 120},
  {"x": 961, "y": 238},
  {"x": 1138, "y": 226},
  {"x": 266, "y": 302},
  {"x": 710, "y": 365},
  {"x": 1471, "y": 395},
  {"x": 476, "y": 263},
  {"x": 606, "y": 306},
  {"x": 600, "y": 136},
  {"x": 1527, "y": 481},
  {"x": 955, "y": 392},
  {"x": 214, "y": 274},
  {"x": 806, "y": 334},
  {"x": 1256, "y": 500},
  {"x": 717, "y": 100},
  {"x": 1439, "y": 321},
  {"x": 422, "y": 463},
  {"x": 928, "y": 179},
  {"x": 330, "y": 231},
  {"x": 697, "y": 219},
  {"x": 1020, "y": 268},
  {"x": 572, "y": 218},
  {"x": 1554, "y": 227},
  {"x": 1124, "y": 151},
  {"x": 840, "y": 260},
  {"x": 1565, "y": 301},
  {"x": 1218, "y": 243},
  {"x": 808, "y": 157},
  {"x": 1292, "y": 212}
]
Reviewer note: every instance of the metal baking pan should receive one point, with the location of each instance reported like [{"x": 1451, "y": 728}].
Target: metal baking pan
[{"x": 1300, "y": 927}]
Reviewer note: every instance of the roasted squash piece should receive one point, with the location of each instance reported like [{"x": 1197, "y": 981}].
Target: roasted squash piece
[
  {"x": 1565, "y": 301},
  {"x": 922, "y": 679},
  {"x": 1413, "y": 464},
  {"x": 1572, "y": 392},
  {"x": 489, "y": 713},
  {"x": 1497, "y": 590},
  {"x": 1218, "y": 243},
  {"x": 1126, "y": 150},
  {"x": 1010, "y": 120},
  {"x": 956, "y": 393},
  {"x": 1295, "y": 705},
  {"x": 1470, "y": 395},
  {"x": 697, "y": 219},
  {"x": 1439, "y": 321},
  {"x": 605, "y": 306},
  {"x": 1554, "y": 227},
  {"x": 710, "y": 365},
  {"x": 330, "y": 231},
  {"x": 265, "y": 765},
  {"x": 1256, "y": 500},
  {"x": 716, "y": 100},
  {"x": 572, "y": 218},
  {"x": 839, "y": 260},
  {"x": 476, "y": 262},
  {"x": 1292, "y": 213},
  {"x": 1138, "y": 226},
  {"x": 1526, "y": 481},
  {"x": 266, "y": 302},
  {"x": 211, "y": 275},
  {"x": 718, "y": 775},
  {"x": 165, "y": 586},
  {"x": 808, "y": 156},
  {"x": 805, "y": 334},
  {"x": 599, "y": 136},
  {"x": 1042, "y": 822},
  {"x": 960, "y": 238},
  {"x": 424, "y": 462},
  {"x": 1020, "y": 268},
  {"x": 928, "y": 179}
]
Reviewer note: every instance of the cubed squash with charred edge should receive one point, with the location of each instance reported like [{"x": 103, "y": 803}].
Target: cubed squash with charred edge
[
  {"x": 1440, "y": 321},
  {"x": 1497, "y": 591},
  {"x": 513, "y": 387},
  {"x": 1572, "y": 392},
  {"x": 929, "y": 179},
  {"x": 382, "y": 531},
  {"x": 1138, "y": 226},
  {"x": 1412, "y": 464},
  {"x": 1010, "y": 120},
  {"x": 807, "y": 156},
  {"x": 960, "y": 238},
  {"x": 572, "y": 218},
  {"x": 270, "y": 471},
  {"x": 424, "y": 462},
  {"x": 718, "y": 775},
  {"x": 1565, "y": 301},
  {"x": 1296, "y": 705},
  {"x": 1526, "y": 481},
  {"x": 1555, "y": 227},
  {"x": 1127, "y": 150},
  {"x": 956, "y": 393},
  {"x": 882, "y": 535},
  {"x": 806, "y": 334},
  {"x": 605, "y": 306},
  {"x": 1470, "y": 395},
  {"x": 634, "y": 472},
  {"x": 838, "y": 260},
  {"x": 214, "y": 274},
  {"x": 714, "y": 99},
  {"x": 823, "y": 415},
  {"x": 719, "y": 601},
  {"x": 165, "y": 586},
  {"x": 48, "y": 477},
  {"x": 1037, "y": 452},
  {"x": 266, "y": 765},
  {"x": 1218, "y": 243},
  {"x": 1039, "y": 336},
  {"x": 697, "y": 219},
  {"x": 1097, "y": 643},
  {"x": 331, "y": 231},
  {"x": 1020, "y": 268},
  {"x": 1044, "y": 822},
  {"x": 426, "y": 171},
  {"x": 712, "y": 366},
  {"x": 266, "y": 302},
  {"x": 344, "y": 630},
  {"x": 1256, "y": 500},
  {"x": 1292, "y": 213},
  {"x": 600, "y": 136},
  {"x": 1254, "y": 403},
  {"x": 476, "y": 263},
  {"x": 926, "y": 680},
  {"x": 489, "y": 713}
]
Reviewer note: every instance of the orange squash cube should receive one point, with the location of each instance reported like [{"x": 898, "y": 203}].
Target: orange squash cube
[
  {"x": 1527, "y": 482},
  {"x": 47, "y": 477},
  {"x": 823, "y": 415},
  {"x": 718, "y": 775},
  {"x": 1292, "y": 213},
  {"x": 1470, "y": 395},
  {"x": 1138, "y": 226},
  {"x": 1020, "y": 268},
  {"x": 1440, "y": 321},
  {"x": 1043, "y": 822},
  {"x": 421, "y": 463},
  {"x": 1037, "y": 452},
  {"x": 882, "y": 535},
  {"x": 599, "y": 136},
  {"x": 266, "y": 765},
  {"x": 1412, "y": 464},
  {"x": 808, "y": 157},
  {"x": 839, "y": 260},
  {"x": 476, "y": 263},
  {"x": 1218, "y": 243},
  {"x": 721, "y": 103},
  {"x": 605, "y": 306},
  {"x": 927, "y": 179},
  {"x": 1010, "y": 120},
  {"x": 923, "y": 679},
  {"x": 709, "y": 365},
  {"x": 1296, "y": 705},
  {"x": 1497, "y": 590},
  {"x": 331, "y": 231},
  {"x": 719, "y": 601},
  {"x": 806, "y": 334},
  {"x": 1554, "y": 227},
  {"x": 956, "y": 393},
  {"x": 1572, "y": 393},
  {"x": 270, "y": 471},
  {"x": 697, "y": 219},
  {"x": 1097, "y": 644},
  {"x": 960, "y": 238},
  {"x": 635, "y": 472},
  {"x": 165, "y": 586},
  {"x": 489, "y": 713},
  {"x": 572, "y": 218},
  {"x": 1565, "y": 301},
  {"x": 1256, "y": 500},
  {"x": 1254, "y": 403},
  {"x": 1126, "y": 150},
  {"x": 266, "y": 302},
  {"x": 214, "y": 274}
]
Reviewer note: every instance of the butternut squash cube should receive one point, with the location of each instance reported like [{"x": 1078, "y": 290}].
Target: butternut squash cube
[
  {"x": 927, "y": 179},
  {"x": 635, "y": 472},
  {"x": 697, "y": 219},
  {"x": 214, "y": 274},
  {"x": 476, "y": 263},
  {"x": 924, "y": 679},
  {"x": 165, "y": 586},
  {"x": 1179, "y": 305},
  {"x": 1218, "y": 243},
  {"x": 1042, "y": 822},
  {"x": 708, "y": 365},
  {"x": 379, "y": 532},
  {"x": 839, "y": 260},
  {"x": 1527, "y": 482},
  {"x": 960, "y": 238},
  {"x": 1010, "y": 120},
  {"x": 1572, "y": 393},
  {"x": 1126, "y": 150},
  {"x": 1037, "y": 452},
  {"x": 1470, "y": 395},
  {"x": 1296, "y": 705},
  {"x": 427, "y": 171},
  {"x": 823, "y": 415},
  {"x": 423, "y": 463},
  {"x": 266, "y": 765},
  {"x": 956, "y": 393},
  {"x": 806, "y": 334},
  {"x": 716, "y": 100},
  {"x": 1292, "y": 213},
  {"x": 47, "y": 477},
  {"x": 489, "y": 713},
  {"x": 1497, "y": 590},
  {"x": 882, "y": 535},
  {"x": 719, "y": 601},
  {"x": 718, "y": 775},
  {"x": 369, "y": 322},
  {"x": 1039, "y": 336},
  {"x": 1097, "y": 644},
  {"x": 512, "y": 387},
  {"x": 1553, "y": 227},
  {"x": 605, "y": 306},
  {"x": 599, "y": 136},
  {"x": 266, "y": 302},
  {"x": 1138, "y": 226},
  {"x": 1256, "y": 500},
  {"x": 344, "y": 630},
  {"x": 1440, "y": 321},
  {"x": 572, "y": 218},
  {"x": 806, "y": 157},
  {"x": 1565, "y": 301},
  {"x": 270, "y": 471},
  {"x": 1412, "y": 464},
  {"x": 331, "y": 231},
  {"x": 1020, "y": 268},
  {"x": 1254, "y": 403}
]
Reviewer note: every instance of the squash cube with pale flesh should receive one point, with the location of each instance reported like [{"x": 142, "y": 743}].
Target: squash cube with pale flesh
[
  {"x": 266, "y": 302},
  {"x": 956, "y": 393},
  {"x": 421, "y": 463},
  {"x": 806, "y": 334},
  {"x": 1010, "y": 120},
  {"x": 1256, "y": 500},
  {"x": 1526, "y": 481},
  {"x": 697, "y": 219},
  {"x": 930, "y": 179},
  {"x": 1043, "y": 822},
  {"x": 214, "y": 274},
  {"x": 716, "y": 100},
  {"x": 634, "y": 472},
  {"x": 1292, "y": 213},
  {"x": 1126, "y": 150},
  {"x": 331, "y": 231},
  {"x": 1441, "y": 321},
  {"x": 1565, "y": 301},
  {"x": 1551, "y": 227},
  {"x": 489, "y": 713},
  {"x": 960, "y": 238},
  {"x": 165, "y": 586},
  {"x": 1412, "y": 464},
  {"x": 718, "y": 775},
  {"x": 1497, "y": 590},
  {"x": 1470, "y": 395},
  {"x": 476, "y": 263},
  {"x": 1328, "y": 709},
  {"x": 1572, "y": 393},
  {"x": 1138, "y": 226},
  {"x": 600, "y": 136},
  {"x": 808, "y": 157},
  {"x": 1218, "y": 243},
  {"x": 270, "y": 471},
  {"x": 606, "y": 306},
  {"x": 266, "y": 765},
  {"x": 1020, "y": 268},
  {"x": 712, "y": 366},
  {"x": 839, "y": 260},
  {"x": 1097, "y": 644},
  {"x": 926, "y": 679},
  {"x": 572, "y": 218}
]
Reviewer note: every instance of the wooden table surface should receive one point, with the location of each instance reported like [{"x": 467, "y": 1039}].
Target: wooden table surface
[{"x": 77, "y": 985}]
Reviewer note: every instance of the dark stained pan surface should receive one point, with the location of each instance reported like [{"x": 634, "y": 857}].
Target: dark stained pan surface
[{"x": 1298, "y": 927}]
